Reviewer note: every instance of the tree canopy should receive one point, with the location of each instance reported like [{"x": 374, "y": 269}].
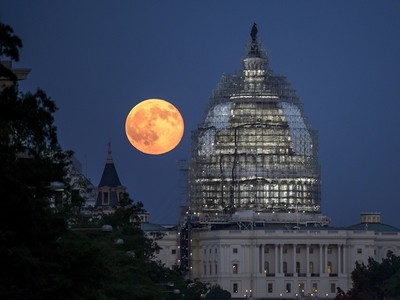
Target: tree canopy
[
  {"x": 375, "y": 280},
  {"x": 41, "y": 256}
]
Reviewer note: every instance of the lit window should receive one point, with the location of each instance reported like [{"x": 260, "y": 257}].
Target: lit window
[
  {"x": 301, "y": 287},
  {"x": 329, "y": 267},
  {"x": 266, "y": 267},
  {"x": 235, "y": 268},
  {"x": 315, "y": 287}
]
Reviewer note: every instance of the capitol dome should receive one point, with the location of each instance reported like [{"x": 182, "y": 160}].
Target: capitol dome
[{"x": 254, "y": 150}]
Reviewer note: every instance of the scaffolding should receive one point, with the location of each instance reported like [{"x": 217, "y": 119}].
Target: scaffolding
[{"x": 254, "y": 150}]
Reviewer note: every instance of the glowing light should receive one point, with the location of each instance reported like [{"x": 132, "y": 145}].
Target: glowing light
[{"x": 154, "y": 126}]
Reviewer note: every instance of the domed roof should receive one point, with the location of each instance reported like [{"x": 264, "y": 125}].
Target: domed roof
[{"x": 254, "y": 149}]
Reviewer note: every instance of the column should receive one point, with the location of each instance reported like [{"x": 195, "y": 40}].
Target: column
[
  {"x": 308, "y": 260},
  {"x": 276, "y": 259},
  {"x": 344, "y": 260},
  {"x": 280, "y": 258},
  {"x": 339, "y": 259},
  {"x": 294, "y": 259},
  {"x": 320, "y": 259},
  {"x": 326, "y": 259}
]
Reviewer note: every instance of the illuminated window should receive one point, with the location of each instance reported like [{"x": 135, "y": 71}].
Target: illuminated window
[
  {"x": 301, "y": 287},
  {"x": 329, "y": 267},
  {"x": 266, "y": 267},
  {"x": 235, "y": 268},
  {"x": 315, "y": 287}
]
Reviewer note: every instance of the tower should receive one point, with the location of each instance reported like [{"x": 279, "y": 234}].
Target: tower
[
  {"x": 255, "y": 150},
  {"x": 110, "y": 189}
]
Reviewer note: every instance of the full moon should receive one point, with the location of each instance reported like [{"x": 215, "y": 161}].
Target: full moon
[{"x": 154, "y": 126}]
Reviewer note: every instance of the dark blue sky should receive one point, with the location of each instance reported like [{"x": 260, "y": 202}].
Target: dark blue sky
[{"x": 97, "y": 59}]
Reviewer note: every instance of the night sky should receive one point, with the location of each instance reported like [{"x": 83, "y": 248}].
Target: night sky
[{"x": 97, "y": 59}]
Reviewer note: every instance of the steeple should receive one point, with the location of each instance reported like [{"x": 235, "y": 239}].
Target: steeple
[
  {"x": 110, "y": 188},
  {"x": 110, "y": 176}
]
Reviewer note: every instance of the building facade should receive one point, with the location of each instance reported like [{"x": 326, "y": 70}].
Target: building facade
[
  {"x": 253, "y": 224},
  {"x": 277, "y": 262}
]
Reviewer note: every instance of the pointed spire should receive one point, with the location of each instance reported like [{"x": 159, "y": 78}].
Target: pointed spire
[
  {"x": 109, "y": 156},
  {"x": 110, "y": 175}
]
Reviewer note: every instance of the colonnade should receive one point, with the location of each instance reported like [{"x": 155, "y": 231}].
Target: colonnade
[{"x": 302, "y": 259}]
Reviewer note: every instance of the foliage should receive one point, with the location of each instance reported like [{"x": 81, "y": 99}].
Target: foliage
[
  {"x": 217, "y": 293},
  {"x": 40, "y": 257},
  {"x": 30, "y": 160},
  {"x": 374, "y": 280},
  {"x": 196, "y": 290}
]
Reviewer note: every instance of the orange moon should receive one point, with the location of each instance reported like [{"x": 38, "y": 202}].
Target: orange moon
[{"x": 154, "y": 126}]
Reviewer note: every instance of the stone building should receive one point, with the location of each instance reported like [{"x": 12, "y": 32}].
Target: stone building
[{"x": 253, "y": 224}]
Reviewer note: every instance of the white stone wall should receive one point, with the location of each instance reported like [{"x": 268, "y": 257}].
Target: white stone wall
[{"x": 236, "y": 260}]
